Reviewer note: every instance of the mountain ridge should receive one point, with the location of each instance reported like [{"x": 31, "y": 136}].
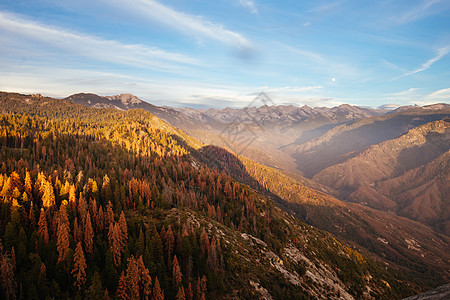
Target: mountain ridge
[{"x": 130, "y": 130}]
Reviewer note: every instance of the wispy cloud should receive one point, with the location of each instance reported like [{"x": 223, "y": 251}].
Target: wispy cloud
[
  {"x": 404, "y": 93},
  {"x": 328, "y": 7},
  {"x": 408, "y": 95},
  {"x": 440, "y": 54},
  {"x": 417, "y": 12},
  {"x": 309, "y": 54},
  {"x": 442, "y": 95},
  {"x": 186, "y": 23},
  {"x": 250, "y": 5},
  {"x": 142, "y": 56}
]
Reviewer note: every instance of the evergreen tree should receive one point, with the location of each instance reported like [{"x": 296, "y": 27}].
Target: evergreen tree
[
  {"x": 157, "y": 293},
  {"x": 42, "y": 226},
  {"x": 48, "y": 198},
  {"x": 88, "y": 235},
  {"x": 79, "y": 268},
  {"x": 115, "y": 242},
  {"x": 176, "y": 271},
  {"x": 63, "y": 230},
  {"x": 95, "y": 291},
  {"x": 181, "y": 295}
]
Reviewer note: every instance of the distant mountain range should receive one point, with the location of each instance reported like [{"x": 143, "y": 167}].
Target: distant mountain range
[{"x": 375, "y": 157}]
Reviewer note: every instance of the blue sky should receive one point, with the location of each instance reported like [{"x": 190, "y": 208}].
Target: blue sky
[{"x": 201, "y": 53}]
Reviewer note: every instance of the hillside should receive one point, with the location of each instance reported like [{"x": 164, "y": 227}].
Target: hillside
[
  {"x": 404, "y": 175},
  {"x": 346, "y": 141},
  {"x": 104, "y": 202},
  {"x": 127, "y": 102},
  {"x": 400, "y": 241}
]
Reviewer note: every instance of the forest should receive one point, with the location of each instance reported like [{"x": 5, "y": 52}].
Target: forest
[{"x": 101, "y": 203}]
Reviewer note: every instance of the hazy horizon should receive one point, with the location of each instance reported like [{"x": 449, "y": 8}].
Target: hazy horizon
[{"x": 219, "y": 54}]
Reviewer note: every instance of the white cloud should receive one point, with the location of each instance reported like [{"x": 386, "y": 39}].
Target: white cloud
[
  {"x": 183, "y": 22},
  {"x": 425, "y": 66},
  {"x": 17, "y": 27},
  {"x": 442, "y": 95},
  {"x": 250, "y": 5}
]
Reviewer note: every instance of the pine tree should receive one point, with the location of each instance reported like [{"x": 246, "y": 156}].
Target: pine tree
[
  {"x": 15, "y": 181},
  {"x": 122, "y": 292},
  {"x": 7, "y": 280},
  {"x": 201, "y": 288},
  {"x": 115, "y": 242},
  {"x": 204, "y": 243},
  {"x": 157, "y": 293},
  {"x": 100, "y": 221},
  {"x": 72, "y": 198},
  {"x": 77, "y": 231},
  {"x": 181, "y": 295},
  {"x": 109, "y": 216},
  {"x": 123, "y": 227},
  {"x": 31, "y": 216},
  {"x": 62, "y": 242},
  {"x": 140, "y": 244},
  {"x": 169, "y": 240},
  {"x": 42, "y": 226},
  {"x": 7, "y": 189},
  {"x": 88, "y": 235},
  {"x": 28, "y": 183},
  {"x": 95, "y": 291},
  {"x": 146, "y": 280},
  {"x": 176, "y": 271},
  {"x": 212, "y": 255},
  {"x": 135, "y": 282},
  {"x": 79, "y": 267},
  {"x": 48, "y": 198},
  {"x": 189, "y": 292}
]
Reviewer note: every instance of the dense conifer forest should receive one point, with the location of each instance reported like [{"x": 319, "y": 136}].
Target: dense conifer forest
[{"x": 101, "y": 203}]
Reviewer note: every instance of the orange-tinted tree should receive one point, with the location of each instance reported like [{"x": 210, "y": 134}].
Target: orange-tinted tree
[{"x": 79, "y": 267}]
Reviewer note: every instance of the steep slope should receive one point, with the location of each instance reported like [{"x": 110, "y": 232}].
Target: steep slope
[
  {"x": 398, "y": 240},
  {"x": 162, "y": 222},
  {"x": 422, "y": 193},
  {"x": 343, "y": 142},
  {"x": 402, "y": 174}
]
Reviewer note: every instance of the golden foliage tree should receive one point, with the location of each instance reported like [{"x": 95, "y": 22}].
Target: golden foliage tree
[
  {"x": 42, "y": 226},
  {"x": 62, "y": 242}
]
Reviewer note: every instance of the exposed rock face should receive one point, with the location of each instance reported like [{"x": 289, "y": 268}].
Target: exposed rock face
[
  {"x": 125, "y": 99},
  {"x": 439, "y": 293}
]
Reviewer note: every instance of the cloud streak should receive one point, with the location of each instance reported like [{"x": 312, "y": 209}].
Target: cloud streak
[
  {"x": 92, "y": 47},
  {"x": 417, "y": 12},
  {"x": 425, "y": 66},
  {"x": 185, "y": 23},
  {"x": 442, "y": 95}
]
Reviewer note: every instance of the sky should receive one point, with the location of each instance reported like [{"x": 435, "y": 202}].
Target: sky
[{"x": 222, "y": 53}]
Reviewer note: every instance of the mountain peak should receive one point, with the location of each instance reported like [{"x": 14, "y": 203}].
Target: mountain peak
[{"x": 126, "y": 99}]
